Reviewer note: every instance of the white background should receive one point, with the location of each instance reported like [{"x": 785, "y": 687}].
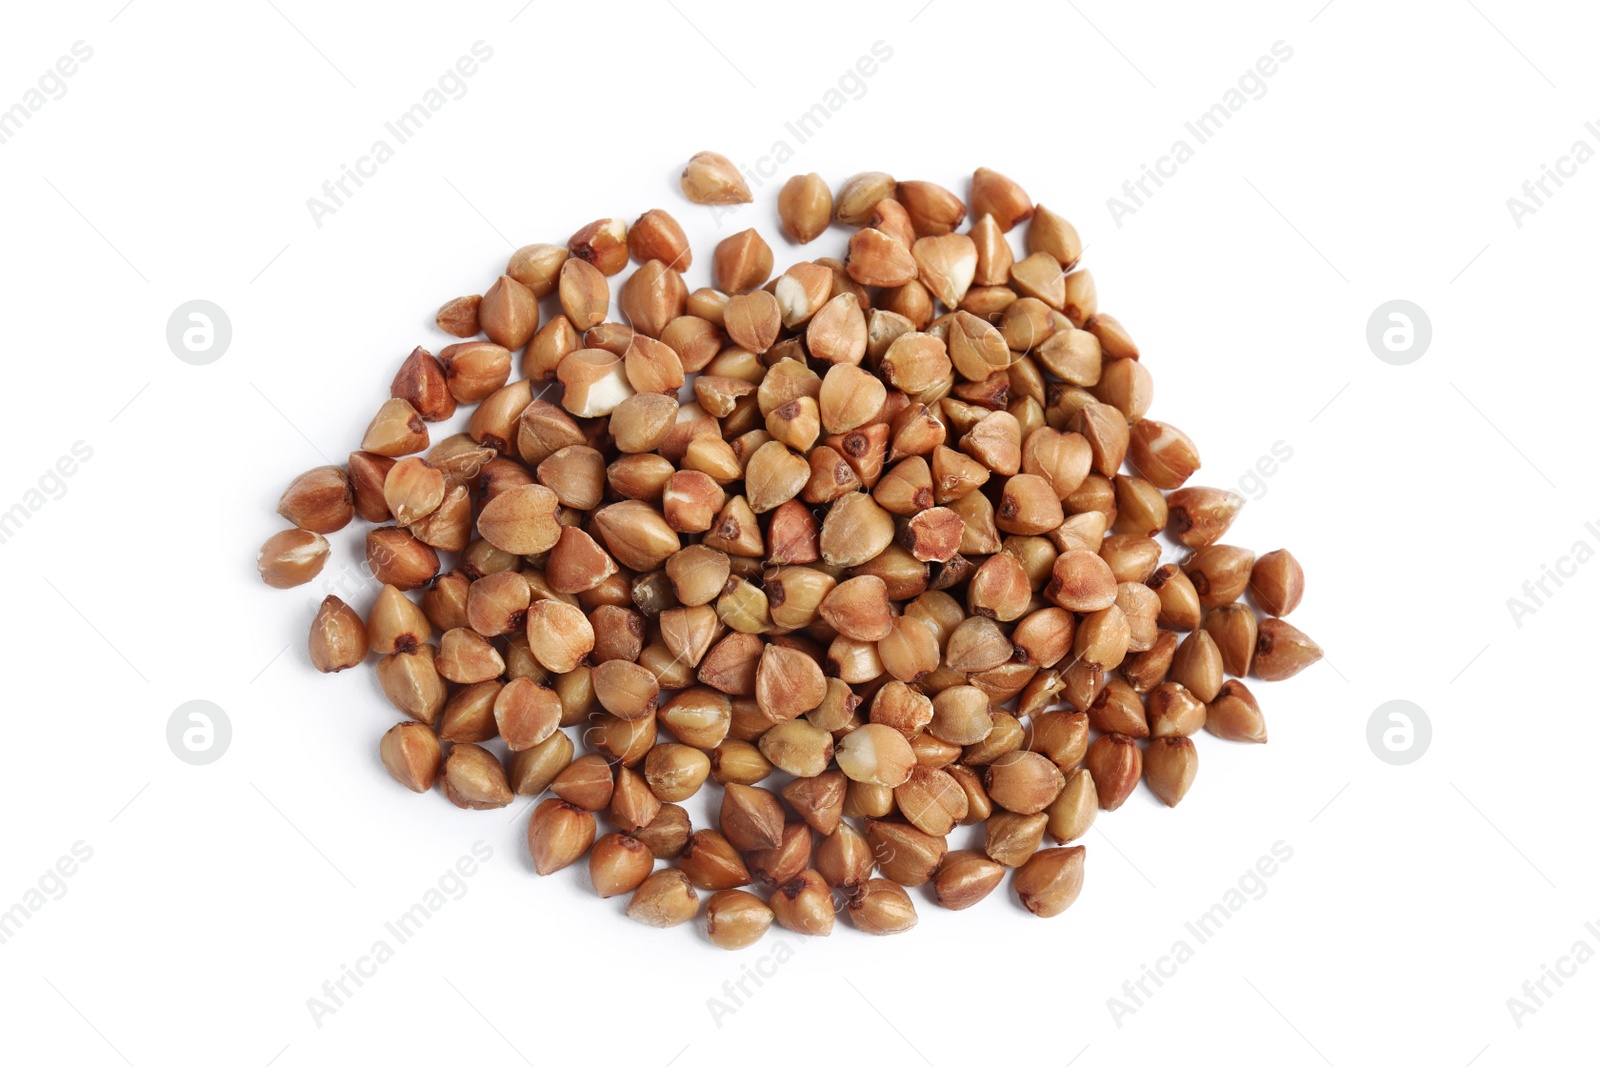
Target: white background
[{"x": 1376, "y": 166}]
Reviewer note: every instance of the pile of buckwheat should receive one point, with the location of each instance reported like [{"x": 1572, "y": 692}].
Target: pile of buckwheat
[{"x": 892, "y": 570}]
